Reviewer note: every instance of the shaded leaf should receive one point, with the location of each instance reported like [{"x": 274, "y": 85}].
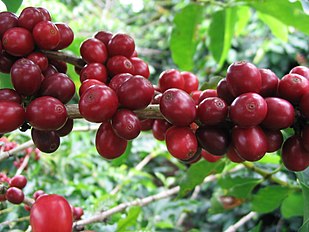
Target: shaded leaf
[
  {"x": 269, "y": 198},
  {"x": 12, "y": 5},
  {"x": 293, "y": 205},
  {"x": 131, "y": 218},
  {"x": 5, "y": 80},
  {"x": 184, "y": 36},
  {"x": 303, "y": 178},
  {"x": 197, "y": 173}
]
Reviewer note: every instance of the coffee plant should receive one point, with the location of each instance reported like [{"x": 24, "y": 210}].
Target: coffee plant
[{"x": 94, "y": 137}]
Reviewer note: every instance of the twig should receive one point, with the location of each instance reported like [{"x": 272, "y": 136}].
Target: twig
[
  {"x": 15, "y": 220},
  {"x": 15, "y": 150},
  {"x": 241, "y": 222},
  {"x": 66, "y": 57},
  {"x": 23, "y": 165}
]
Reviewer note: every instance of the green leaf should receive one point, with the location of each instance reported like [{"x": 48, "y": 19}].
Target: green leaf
[
  {"x": 131, "y": 218},
  {"x": 269, "y": 198},
  {"x": 212, "y": 83},
  {"x": 196, "y": 174},
  {"x": 257, "y": 228},
  {"x": 12, "y": 5},
  {"x": 303, "y": 178},
  {"x": 239, "y": 187},
  {"x": 184, "y": 35},
  {"x": 5, "y": 81},
  {"x": 124, "y": 157},
  {"x": 279, "y": 29},
  {"x": 243, "y": 17},
  {"x": 293, "y": 205},
  {"x": 304, "y": 227},
  {"x": 221, "y": 32},
  {"x": 289, "y": 13}
]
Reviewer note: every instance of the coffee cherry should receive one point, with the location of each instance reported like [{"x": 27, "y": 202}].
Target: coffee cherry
[
  {"x": 18, "y": 41},
  {"x": 274, "y": 140},
  {"x": 78, "y": 212},
  {"x": 213, "y": 139},
  {"x": 45, "y": 13},
  {"x": 224, "y": 92},
  {"x": 304, "y": 105},
  {"x": 119, "y": 64},
  {"x": 280, "y": 114},
  {"x": 146, "y": 124},
  {"x": 59, "y": 86},
  {"x": 248, "y": 109},
  {"x": 86, "y": 84},
  {"x": 292, "y": 87},
  {"x": 181, "y": 142},
  {"x": 243, "y": 77},
  {"x": 269, "y": 83},
  {"x": 250, "y": 143},
  {"x": 301, "y": 70},
  {"x": 6, "y": 62},
  {"x": 93, "y": 51},
  {"x": 98, "y": 103},
  {"x": 171, "y": 79},
  {"x": 121, "y": 45},
  {"x": 135, "y": 93},
  {"x": 7, "y": 21},
  {"x": 206, "y": 94},
  {"x": 233, "y": 155},
  {"x": 37, "y": 194},
  {"x": 14, "y": 195},
  {"x": 12, "y": 116},
  {"x": 51, "y": 69},
  {"x": 194, "y": 159},
  {"x": 46, "y": 113},
  {"x": 305, "y": 137},
  {"x": 126, "y": 124},
  {"x": 118, "y": 80},
  {"x": 18, "y": 181},
  {"x": 212, "y": 111},
  {"x": 66, "y": 129},
  {"x": 66, "y": 35},
  {"x": 209, "y": 157},
  {"x": 45, "y": 141},
  {"x": 140, "y": 67},
  {"x": 294, "y": 156},
  {"x": 29, "y": 17},
  {"x": 9, "y": 95},
  {"x": 178, "y": 107},
  {"x": 190, "y": 81},
  {"x": 39, "y": 59},
  {"x": 103, "y": 36},
  {"x": 159, "y": 128},
  {"x": 94, "y": 71},
  {"x": 108, "y": 144},
  {"x": 61, "y": 66},
  {"x": 196, "y": 96},
  {"x": 46, "y": 35}
]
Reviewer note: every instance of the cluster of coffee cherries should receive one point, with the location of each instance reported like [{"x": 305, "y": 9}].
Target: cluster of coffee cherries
[
  {"x": 40, "y": 85},
  {"x": 243, "y": 118}
]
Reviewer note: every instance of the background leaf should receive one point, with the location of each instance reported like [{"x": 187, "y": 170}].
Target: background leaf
[
  {"x": 131, "y": 218},
  {"x": 184, "y": 36},
  {"x": 5, "y": 80},
  {"x": 12, "y": 5},
  {"x": 293, "y": 205},
  {"x": 243, "y": 17}
]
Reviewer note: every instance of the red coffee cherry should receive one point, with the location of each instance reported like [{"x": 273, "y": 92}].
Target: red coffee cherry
[
  {"x": 274, "y": 139},
  {"x": 7, "y": 94},
  {"x": 103, "y": 36},
  {"x": 86, "y": 84},
  {"x": 12, "y": 116},
  {"x": 213, "y": 139},
  {"x": 126, "y": 124},
  {"x": 159, "y": 128},
  {"x": 66, "y": 129},
  {"x": 51, "y": 69},
  {"x": 59, "y": 65},
  {"x": 212, "y": 111},
  {"x": 18, "y": 41},
  {"x": 39, "y": 59},
  {"x": 209, "y": 157},
  {"x": 178, "y": 107},
  {"x": 233, "y": 155},
  {"x": 108, "y": 144},
  {"x": 294, "y": 156},
  {"x": 14, "y": 195},
  {"x": 206, "y": 94},
  {"x": 18, "y": 181},
  {"x": 29, "y": 17},
  {"x": 301, "y": 70},
  {"x": 248, "y": 109},
  {"x": 250, "y": 143},
  {"x": 45, "y": 141},
  {"x": 304, "y": 105},
  {"x": 46, "y": 113},
  {"x": 118, "y": 80},
  {"x": 181, "y": 142},
  {"x": 269, "y": 83},
  {"x": 45, "y": 13},
  {"x": 121, "y": 45},
  {"x": 46, "y": 35},
  {"x": 59, "y": 86},
  {"x": 66, "y": 35},
  {"x": 243, "y": 77},
  {"x": 196, "y": 96},
  {"x": 292, "y": 87},
  {"x": 135, "y": 93},
  {"x": 6, "y": 62},
  {"x": 224, "y": 92},
  {"x": 140, "y": 67},
  {"x": 119, "y": 64},
  {"x": 280, "y": 114},
  {"x": 7, "y": 21},
  {"x": 190, "y": 81},
  {"x": 171, "y": 79},
  {"x": 37, "y": 194},
  {"x": 98, "y": 103},
  {"x": 146, "y": 124},
  {"x": 93, "y": 51},
  {"x": 78, "y": 212},
  {"x": 94, "y": 71}
]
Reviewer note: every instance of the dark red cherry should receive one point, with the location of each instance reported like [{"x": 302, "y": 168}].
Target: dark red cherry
[
  {"x": 39, "y": 59},
  {"x": 301, "y": 70},
  {"x": 18, "y": 181},
  {"x": 66, "y": 35},
  {"x": 140, "y": 67},
  {"x": 87, "y": 84},
  {"x": 93, "y": 51},
  {"x": 66, "y": 128},
  {"x": 224, "y": 92},
  {"x": 7, "y": 94},
  {"x": 103, "y": 36},
  {"x": 118, "y": 80},
  {"x": 207, "y": 93},
  {"x": 159, "y": 128},
  {"x": 274, "y": 139},
  {"x": 121, "y": 45},
  {"x": 7, "y": 21},
  {"x": 46, "y": 35},
  {"x": 29, "y": 17},
  {"x": 45, "y": 141},
  {"x": 96, "y": 71},
  {"x": 171, "y": 78},
  {"x": 12, "y": 116},
  {"x": 190, "y": 81},
  {"x": 14, "y": 195},
  {"x": 269, "y": 83},
  {"x": 119, "y": 64}
]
